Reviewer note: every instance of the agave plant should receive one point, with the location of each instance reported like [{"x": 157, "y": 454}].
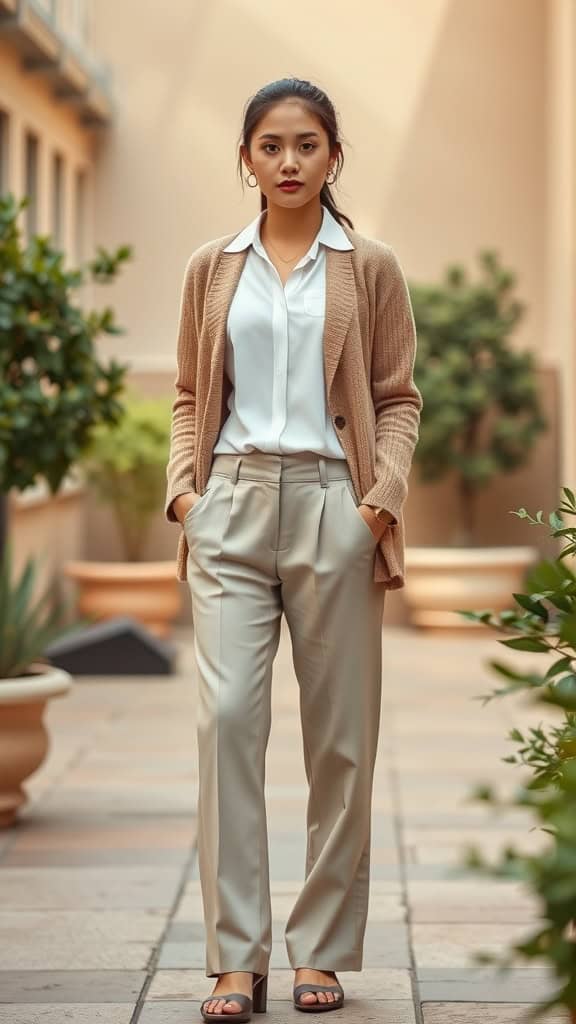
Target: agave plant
[{"x": 28, "y": 624}]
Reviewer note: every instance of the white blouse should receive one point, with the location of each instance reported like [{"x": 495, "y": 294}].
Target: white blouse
[{"x": 274, "y": 356}]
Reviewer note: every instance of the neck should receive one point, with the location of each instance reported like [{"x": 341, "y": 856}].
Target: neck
[{"x": 292, "y": 225}]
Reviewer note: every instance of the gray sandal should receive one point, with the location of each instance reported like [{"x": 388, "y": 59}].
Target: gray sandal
[
  {"x": 257, "y": 1004},
  {"x": 318, "y": 1007}
]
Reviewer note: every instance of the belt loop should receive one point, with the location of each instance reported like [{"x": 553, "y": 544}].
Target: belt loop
[
  {"x": 236, "y": 469},
  {"x": 322, "y": 471}
]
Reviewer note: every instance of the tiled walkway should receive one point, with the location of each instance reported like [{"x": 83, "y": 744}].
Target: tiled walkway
[{"x": 100, "y": 904}]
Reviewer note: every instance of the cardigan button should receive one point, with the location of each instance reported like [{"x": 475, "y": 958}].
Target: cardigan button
[{"x": 340, "y": 421}]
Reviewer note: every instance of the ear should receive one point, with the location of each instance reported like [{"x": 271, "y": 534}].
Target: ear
[{"x": 246, "y": 158}]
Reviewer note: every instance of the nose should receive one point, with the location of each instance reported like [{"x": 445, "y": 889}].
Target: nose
[{"x": 289, "y": 163}]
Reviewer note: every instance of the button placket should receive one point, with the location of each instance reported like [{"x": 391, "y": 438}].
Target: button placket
[{"x": 280, "y": 345}]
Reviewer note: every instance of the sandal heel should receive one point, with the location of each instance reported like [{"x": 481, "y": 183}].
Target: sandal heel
[{"x": 259, "y": 994}]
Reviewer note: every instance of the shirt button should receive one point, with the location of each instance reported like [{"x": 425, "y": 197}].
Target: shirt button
[{"x": 340, "y": 421}]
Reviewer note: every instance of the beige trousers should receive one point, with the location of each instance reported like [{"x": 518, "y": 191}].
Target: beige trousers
[{"x": 272, "y": 534}]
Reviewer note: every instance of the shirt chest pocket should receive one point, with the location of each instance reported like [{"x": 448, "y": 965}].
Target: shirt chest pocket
[{"x": 314, "y": 303}]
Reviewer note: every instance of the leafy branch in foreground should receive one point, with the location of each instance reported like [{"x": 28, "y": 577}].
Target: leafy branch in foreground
[{"x": 544, "y": 624}]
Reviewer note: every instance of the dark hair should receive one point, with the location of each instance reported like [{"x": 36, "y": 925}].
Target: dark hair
[{"x": 318, "y": 103}]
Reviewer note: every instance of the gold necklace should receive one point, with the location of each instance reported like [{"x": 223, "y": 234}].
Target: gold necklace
[{"x": 291, "y": 258}]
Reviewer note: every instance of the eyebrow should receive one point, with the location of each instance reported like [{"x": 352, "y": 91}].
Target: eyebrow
[{"x": 301, "y": 135}]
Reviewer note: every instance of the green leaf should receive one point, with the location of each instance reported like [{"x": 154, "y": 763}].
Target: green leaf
[
  {"x": 568, "y": 630},
  {"x": 531, "y": 605},
  {"x": 525, "y": 643},
  {"x": 559, "y": 666}
]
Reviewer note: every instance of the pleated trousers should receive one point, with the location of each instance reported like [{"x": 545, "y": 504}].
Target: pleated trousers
[{"x": 275, "y": 534}]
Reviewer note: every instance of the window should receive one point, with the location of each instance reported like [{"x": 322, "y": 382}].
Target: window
[
  {"x": 80, "y": 214},
  {"x": 57, "y": 198},
  {"x": 4, "y": 143},
  {"x": 31, "y": 170}
]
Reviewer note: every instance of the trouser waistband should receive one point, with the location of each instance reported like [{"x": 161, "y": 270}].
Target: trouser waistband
[{"x": 270, "y": 467}]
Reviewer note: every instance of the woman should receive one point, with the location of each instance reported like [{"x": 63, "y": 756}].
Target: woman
[{"x": 293, "y": 431}]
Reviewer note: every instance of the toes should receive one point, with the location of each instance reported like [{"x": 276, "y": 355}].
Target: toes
[
  {"x": 308, "y": 997},
  {"x": 215, "y": 1005}
]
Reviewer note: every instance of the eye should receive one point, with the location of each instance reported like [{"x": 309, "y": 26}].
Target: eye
[{"x": 267, "y": 144}]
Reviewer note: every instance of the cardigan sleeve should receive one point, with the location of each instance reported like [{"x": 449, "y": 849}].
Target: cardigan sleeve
[
  {"x": 397, "y": 400},
  {"x": 180, "y": 470}
]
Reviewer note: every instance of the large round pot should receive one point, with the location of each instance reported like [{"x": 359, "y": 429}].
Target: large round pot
[
  {"x": 23, "y": 735},
  {"x": 440, "y": 580},
  {"x": 146, "y": 591}
]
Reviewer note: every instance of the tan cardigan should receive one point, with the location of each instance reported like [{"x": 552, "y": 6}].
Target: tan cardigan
[{"x": 369, "y": 346}]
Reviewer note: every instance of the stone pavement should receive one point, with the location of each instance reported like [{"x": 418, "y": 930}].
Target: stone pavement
[{"x": 100, "y": 903}]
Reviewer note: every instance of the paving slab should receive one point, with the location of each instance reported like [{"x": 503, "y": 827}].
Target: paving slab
[
  {"x": 485, "y": 985},
  {"x": 485, "y": 1013},
  {"x": 78, "y": 939},
  {"x": 435, "y": 946},
  {"x": 78, "y": 986},
  {"x": 59, "y": 1013},
  {"x": 87, "y": 888},
  {"x": 94, "y": 858}
]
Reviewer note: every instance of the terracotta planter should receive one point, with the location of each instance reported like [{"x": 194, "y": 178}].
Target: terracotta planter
[
  {"x": 23, "y": 735},
  {"x": 146, "y": 591},
  {"x": 440, "y": 580}
]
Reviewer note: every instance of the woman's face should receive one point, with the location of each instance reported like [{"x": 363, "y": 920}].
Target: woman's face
[{"x": 289, "y": 142}]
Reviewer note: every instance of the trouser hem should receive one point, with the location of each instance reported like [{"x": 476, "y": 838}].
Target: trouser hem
[
  {"x": 327, "y": 964},
  {"x": 260, "y": 968}
]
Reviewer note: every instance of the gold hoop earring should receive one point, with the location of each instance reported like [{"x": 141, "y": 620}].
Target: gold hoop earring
[
  {"x": 249, "y": 176},
  {"x": 333, "y": 180}
]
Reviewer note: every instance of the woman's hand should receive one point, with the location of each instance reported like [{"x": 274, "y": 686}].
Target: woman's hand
[
  {"x": 378, "y": 526},
  {"x": 183, "y": 503}
]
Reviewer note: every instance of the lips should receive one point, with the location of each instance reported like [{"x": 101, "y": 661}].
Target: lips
[{"x": 291, "y": 185}]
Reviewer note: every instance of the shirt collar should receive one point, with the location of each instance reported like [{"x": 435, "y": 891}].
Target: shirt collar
[{"x": 331, "y": 233}]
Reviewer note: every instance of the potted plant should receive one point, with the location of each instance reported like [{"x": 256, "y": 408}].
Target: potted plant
[
  {"x": 480, "y": 419},
  {"x": 544, "y": 623},
  {"x": 53, "y": 389},
  {"x": 126, "y": 466},
  {"x": 28, "y": 624}
]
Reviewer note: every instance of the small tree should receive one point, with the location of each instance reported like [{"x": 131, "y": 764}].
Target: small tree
[
  {"x": 53, "y": 388},
  {"x": 481, "y": 413}
]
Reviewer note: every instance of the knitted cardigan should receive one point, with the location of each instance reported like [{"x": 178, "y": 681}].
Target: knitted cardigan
[{"x": 369, "y": 347}]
